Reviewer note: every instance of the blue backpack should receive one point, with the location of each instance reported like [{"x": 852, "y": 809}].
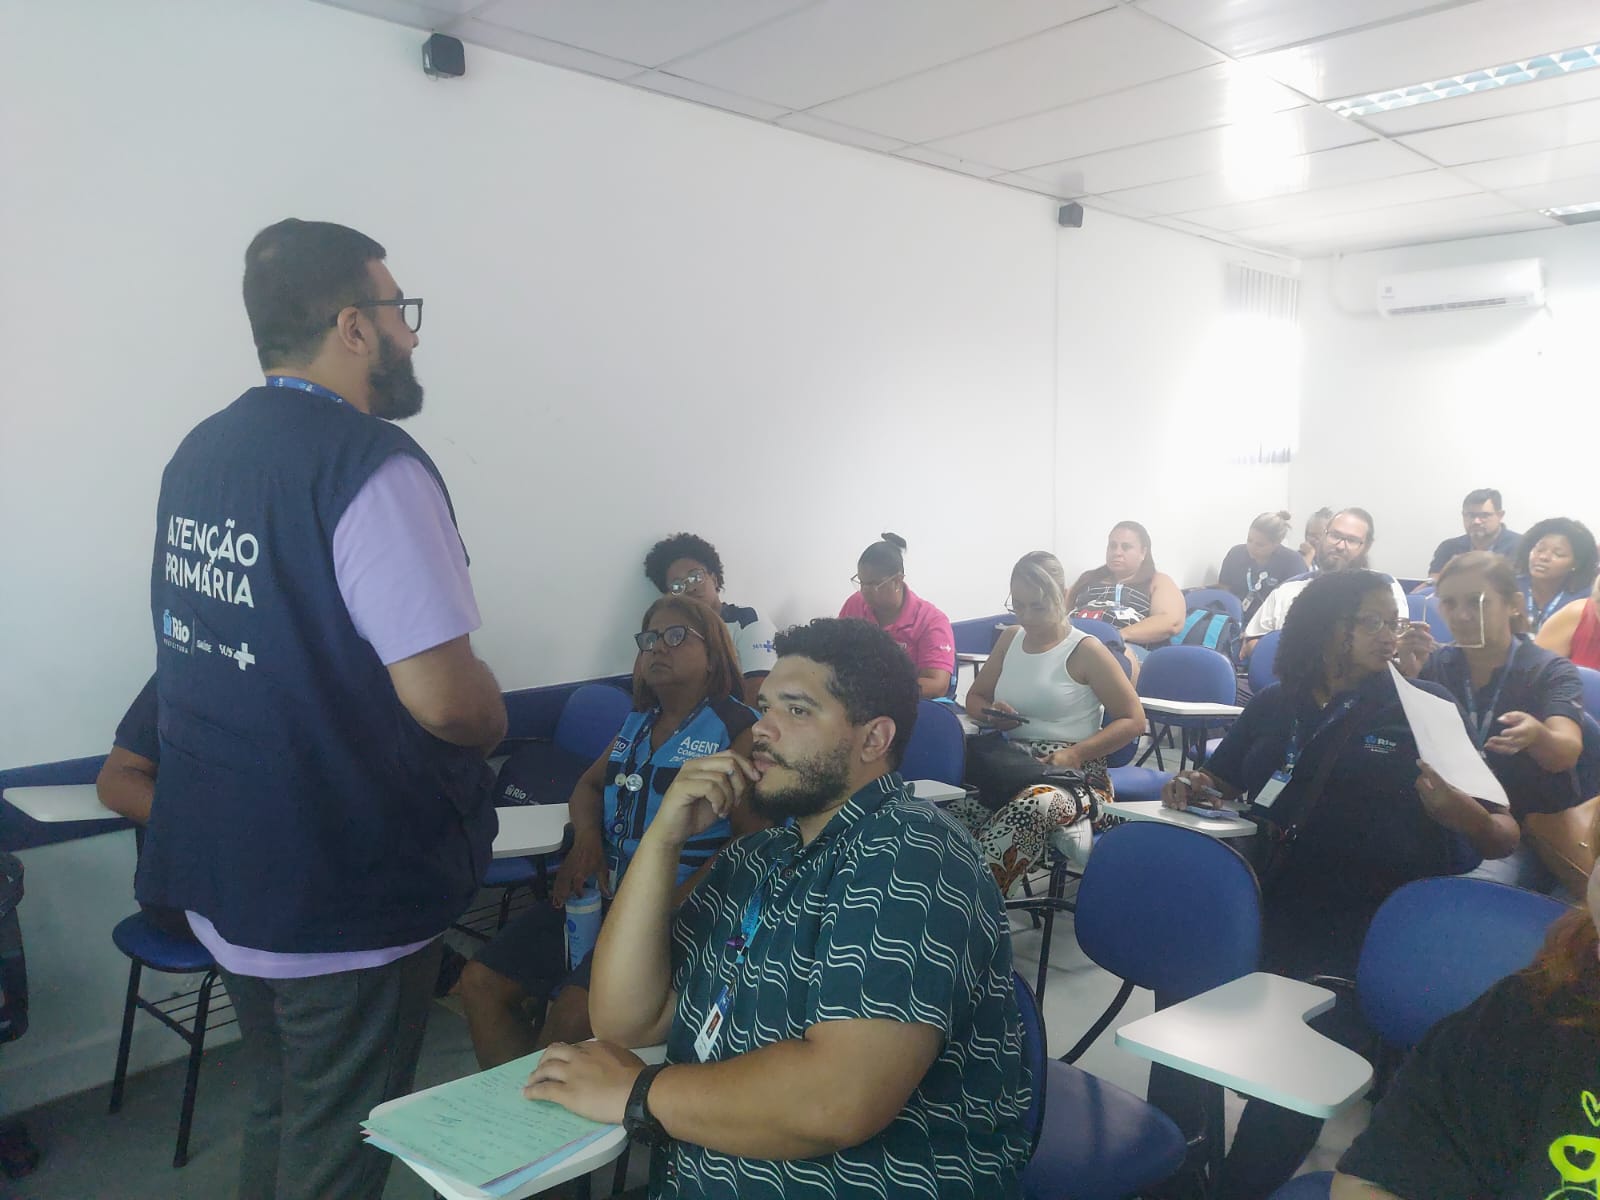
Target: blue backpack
[{"x": 1212, "y": 628}]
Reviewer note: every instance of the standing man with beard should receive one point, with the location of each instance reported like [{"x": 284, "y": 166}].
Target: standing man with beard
[
  {"x": 836, "y": 996},
  {"x": 320, "y": 814}
]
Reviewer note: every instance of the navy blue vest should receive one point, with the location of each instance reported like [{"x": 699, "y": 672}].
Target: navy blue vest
[{"x": 299, "y": 806}]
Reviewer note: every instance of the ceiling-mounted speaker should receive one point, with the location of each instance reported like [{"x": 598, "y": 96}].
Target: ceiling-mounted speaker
[
  {"x": 444, "y": 57},
  {"x": 1070, "y": 215}
]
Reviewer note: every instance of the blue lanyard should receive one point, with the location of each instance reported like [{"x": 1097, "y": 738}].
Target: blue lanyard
[
  {"x": 1250, "y": 585},
  {"x": 1537, "y": 620},
  {"x": 752, "y": 911},
  {"x": 304, "y": 385},
  {"x": 1329, "y": 718},
  {"x": 1482, "y": 726}
]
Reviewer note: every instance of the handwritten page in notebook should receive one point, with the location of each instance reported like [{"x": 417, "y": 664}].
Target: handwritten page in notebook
[
  {"x": 1443, "y": 743},
  {"x": 479, "y": 1129}
]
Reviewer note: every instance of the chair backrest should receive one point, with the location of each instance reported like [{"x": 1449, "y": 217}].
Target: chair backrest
[
  {"x": 1104, "y": 630},
  {"x": 1590, "y": 678},
  {"x": 1262, "y": 661},
  {"x": 977, "y": 635},
  {"x": 1033, "y": 1053},
  {"x": 1436, "y": 945},
  {"x": 1426, "y": 608},
  {"x": 938, "y": 746},
  {"x": 1219, "y": 599},
  {"x": 1188, "y": 673},
  {"x": 1169, "y": 909},
  {"x": 590, "y": 719}
]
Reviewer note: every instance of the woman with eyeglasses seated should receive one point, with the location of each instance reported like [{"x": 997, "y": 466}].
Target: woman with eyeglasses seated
[
  {"x": 686, "y": 686},
  {"x": 1497, "y": 1102},
  {"x": 1260, "y": 563},
  {"x": 1523, "y": 707},
  {"x": 687, "y": 565},
  {"x": 920, "y": 629},
  {"x": 1130, "y": 593},
  {"x": 1555, "y": 566},
  {"x": 1348, "y": 814},
  {"x": 1062, "y": 682}
]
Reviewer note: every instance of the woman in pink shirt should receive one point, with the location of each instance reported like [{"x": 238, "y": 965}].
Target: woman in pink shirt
[{"x": 921, "y": 630}]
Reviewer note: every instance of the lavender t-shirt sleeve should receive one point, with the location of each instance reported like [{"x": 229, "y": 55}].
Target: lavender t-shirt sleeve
[{"x": 400, "y": 564}]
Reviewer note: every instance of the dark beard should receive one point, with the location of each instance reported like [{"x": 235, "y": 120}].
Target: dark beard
[
  {"x": 823, "y": 781},
  {"x": 396, "y": 394}
]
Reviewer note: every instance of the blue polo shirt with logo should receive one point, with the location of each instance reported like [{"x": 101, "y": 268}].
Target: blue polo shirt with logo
[{"x": 888, "y": 914}]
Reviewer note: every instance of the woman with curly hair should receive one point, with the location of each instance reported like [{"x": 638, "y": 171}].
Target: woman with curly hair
[{"x": 1331, "y": 768}]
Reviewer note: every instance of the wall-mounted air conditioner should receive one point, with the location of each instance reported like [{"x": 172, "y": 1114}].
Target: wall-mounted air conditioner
[{"x": 1516, "y": 284}]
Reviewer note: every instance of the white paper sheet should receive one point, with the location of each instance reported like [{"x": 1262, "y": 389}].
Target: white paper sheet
[{"x": 1443, "y": 743}]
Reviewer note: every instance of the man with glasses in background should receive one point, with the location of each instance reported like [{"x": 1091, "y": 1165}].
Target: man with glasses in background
[
  {"x": 322, "y": 812},
  {"x": 1484, "y": 520},
  {"x": 1345, "y": 546},
  {"x": 687, "y": 565}
]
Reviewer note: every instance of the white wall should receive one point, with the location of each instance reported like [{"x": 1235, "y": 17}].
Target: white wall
[
  {"x": 642, "y": 316},
  {"x": 1405, "y": 416},
  {"x": 1146, "y": 397}
]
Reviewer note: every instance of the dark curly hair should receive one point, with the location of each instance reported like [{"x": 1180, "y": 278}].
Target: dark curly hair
[
  {"x": 681, "y": 545},
  {"x": 871, "y": 675},
  {"x": 1585, "y": 555},
  {"x": 1319, "y": 621}
]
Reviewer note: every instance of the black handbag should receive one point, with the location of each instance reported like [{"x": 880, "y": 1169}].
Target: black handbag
[{"x": 999, "y": 769}]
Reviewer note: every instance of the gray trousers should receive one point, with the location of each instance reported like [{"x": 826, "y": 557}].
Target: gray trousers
[{"x": 321, "y": 1053}]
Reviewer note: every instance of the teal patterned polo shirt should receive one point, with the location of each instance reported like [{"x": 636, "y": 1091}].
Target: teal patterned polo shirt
[{"x": 888, "y": 914}]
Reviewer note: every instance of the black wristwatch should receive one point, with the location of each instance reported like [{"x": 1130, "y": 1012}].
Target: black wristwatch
[{"x": 636, "y": 1117}]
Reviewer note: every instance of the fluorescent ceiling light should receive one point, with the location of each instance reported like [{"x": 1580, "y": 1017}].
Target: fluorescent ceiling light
[
  {"x": 1544, "y": 66},
  {"x": 1574, "y": 214}
]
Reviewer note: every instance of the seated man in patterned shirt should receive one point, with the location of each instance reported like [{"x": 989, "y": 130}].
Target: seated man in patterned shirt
[{"x": 836, "y": 996}]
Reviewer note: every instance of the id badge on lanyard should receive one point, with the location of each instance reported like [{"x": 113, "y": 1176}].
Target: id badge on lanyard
[
  {"x": 705, "y": 1041},
  {"x": 1273, "y": 788},
  {"x": 711, "y": 1028}
]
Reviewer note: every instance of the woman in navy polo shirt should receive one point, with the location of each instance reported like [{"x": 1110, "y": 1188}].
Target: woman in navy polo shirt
[
  {"x": 1331, "y": 768},
  {"x": 1524, "y": 710},
  {"x": 686, "y": 688}
]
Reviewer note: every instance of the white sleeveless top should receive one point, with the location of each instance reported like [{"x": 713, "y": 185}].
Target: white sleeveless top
[{"x": 1058, "y": 707}]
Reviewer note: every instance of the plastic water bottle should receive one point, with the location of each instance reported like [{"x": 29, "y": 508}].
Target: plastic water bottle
[{"x": 583, "y": 924}]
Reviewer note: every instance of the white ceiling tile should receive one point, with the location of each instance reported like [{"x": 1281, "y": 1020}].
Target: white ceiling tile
[
  {"x": 1110, "y": 205},
  {"x": 1434, "y": 45},
  {"x": 1585, "y": 189},
  {"x": 1109, "y": 50},
  {"x": 1251, "y": 177},
  {"x": 840, "y": 47},
  {"x": 1241, "y": 27},
  {"x": 1502, "y": 137},
  {"x": 419, "y": 14},
  {"x": 1340, "y": 236},
  {"x": 643, "y": 31},
  {"x": 1196, "y": 100},
  {"x": 688, "y": 89},
  {"x": 948, "y": 161},
  {"x": 1298, "y": 131},
  {"x": 1405, "y": 218},
  {"x": 525, "y": 45},
  {"x": 1031, "y": 185},
  {"x": 806, "y": 123},
  {"x": 1327, "y": 202},
  {"x": 1496, "y": 102},
  {"x": 1526, "y": 170}
]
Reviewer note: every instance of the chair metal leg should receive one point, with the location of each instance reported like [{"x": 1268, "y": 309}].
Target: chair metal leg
[
  {"x": 191, "y": 1083},
  {"x": 129, "y": 1007},
  {"x": 619, "y": 1176},
  {"x": 1044, "y": 951},
  {"x": 505, "y": 907}
]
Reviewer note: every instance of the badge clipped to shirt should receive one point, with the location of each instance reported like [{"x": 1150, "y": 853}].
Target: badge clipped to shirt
[
  {"x": 711, "y": 1028},
  {"x": 1271, "y": 790},
  {"x": 629, "y": 783}
]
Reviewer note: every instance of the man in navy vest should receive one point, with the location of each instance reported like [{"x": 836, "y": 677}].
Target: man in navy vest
[{"x": 321, "y": 812}]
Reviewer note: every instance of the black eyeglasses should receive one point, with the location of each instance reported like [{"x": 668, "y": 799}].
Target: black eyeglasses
[
  {"x": 410, "y": 310},
  {"x": 673, "y": 635},
  {"x": 679, "y": 586}
]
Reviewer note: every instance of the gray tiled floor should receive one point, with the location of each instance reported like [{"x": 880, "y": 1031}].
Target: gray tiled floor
[{"x": 89, "y": 1154}]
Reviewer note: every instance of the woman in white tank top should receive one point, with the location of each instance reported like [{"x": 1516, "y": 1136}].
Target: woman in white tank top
[{"x": 1063, "y": 681}]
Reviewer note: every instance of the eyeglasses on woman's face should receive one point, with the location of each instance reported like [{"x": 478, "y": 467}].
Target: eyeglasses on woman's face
[
  {"x": 1374, "y": 624},
  {"x": 873, "y": 585},
  {"x": 679, "y": 586},
  {"x": 672, "y": 637}
]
